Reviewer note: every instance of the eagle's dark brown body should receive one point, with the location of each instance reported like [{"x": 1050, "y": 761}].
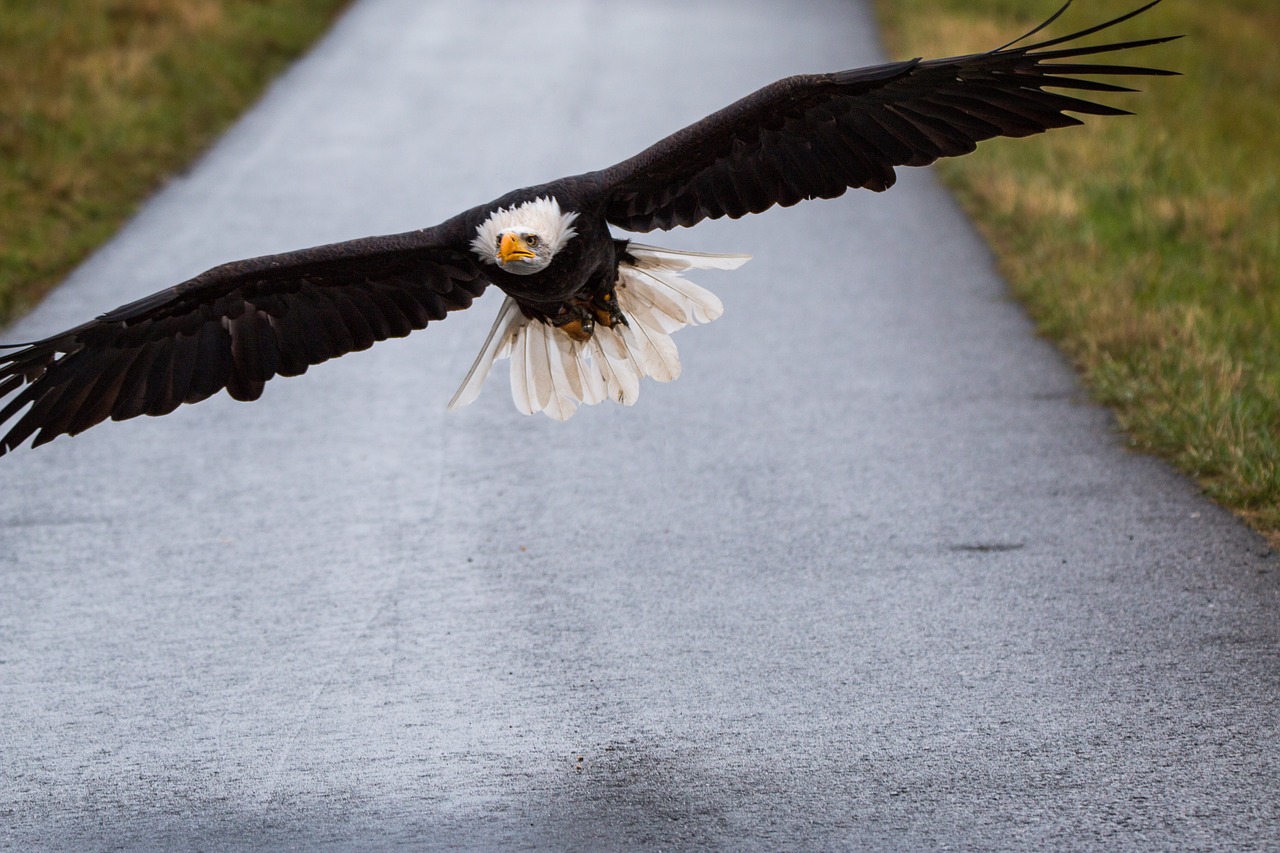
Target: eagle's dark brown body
[
  {"x": 236, "y": 326},
  {"x": 587, "y": 265}
]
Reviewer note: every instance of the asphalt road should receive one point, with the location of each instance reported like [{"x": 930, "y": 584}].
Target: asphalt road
[{"x": 870, "y": 575}]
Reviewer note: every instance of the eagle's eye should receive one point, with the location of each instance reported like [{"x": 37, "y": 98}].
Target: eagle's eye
[{"x": 531, "y": 240}]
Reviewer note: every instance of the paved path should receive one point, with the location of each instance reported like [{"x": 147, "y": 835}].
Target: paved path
[{"x": 870, "y": 575}]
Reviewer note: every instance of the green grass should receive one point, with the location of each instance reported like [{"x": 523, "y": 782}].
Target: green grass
[
  {"x": 101, "y": 100},
  {"x": 1148, "y": 247}
]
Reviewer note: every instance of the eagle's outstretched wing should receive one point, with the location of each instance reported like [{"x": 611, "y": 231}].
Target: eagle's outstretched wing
[
  {"x": 238, "y": 325},
  {"x": 815, "y": 136},
  {"x": 235, "y": 327}
]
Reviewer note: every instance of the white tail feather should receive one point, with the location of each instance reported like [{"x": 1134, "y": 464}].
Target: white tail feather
[
  {"x": 646, "y": 337},
  {"x": 621, "y": 382},
  {"x": 552, "y": 373},
  {"x": 521, "y": 384},
  {"x": 537, "y": 366},
  {"x": 566, "y": 365},
  {"x": 675, "y": 259},
  {"x": 700, "y": 305},
  {"x": 499, "y": 338},
  {"x": 519, "y": 370},
  {"x": 665, "y": 311},
  {"x": 653, "y": 350},
  {"x": 563, "y": 402},
  {"x": 592, "y": 382}
]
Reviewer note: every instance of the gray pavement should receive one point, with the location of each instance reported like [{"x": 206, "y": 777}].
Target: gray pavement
[{"x": 870, "y": 575}]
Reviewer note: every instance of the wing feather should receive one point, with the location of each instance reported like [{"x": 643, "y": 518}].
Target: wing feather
[
  {"x": 131, "y": 400},
  {"x": 235, "y": 327},
  {"x": 818, "y": 135},
  {"x": 207, "y": 374}
]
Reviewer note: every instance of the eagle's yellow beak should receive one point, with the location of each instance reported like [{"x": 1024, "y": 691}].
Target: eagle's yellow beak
[{"x": 514, "y": 248}]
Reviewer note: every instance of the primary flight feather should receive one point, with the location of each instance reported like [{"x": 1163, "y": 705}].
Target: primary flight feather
[{"x": 587, "y": 314}]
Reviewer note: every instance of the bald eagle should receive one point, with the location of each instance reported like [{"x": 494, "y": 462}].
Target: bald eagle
[{"x": 587, "y": 314}]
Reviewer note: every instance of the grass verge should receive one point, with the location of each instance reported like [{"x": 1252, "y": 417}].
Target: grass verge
[
  {"x": 101, "y": 100},
  {"x": 1148, "y": 247}
]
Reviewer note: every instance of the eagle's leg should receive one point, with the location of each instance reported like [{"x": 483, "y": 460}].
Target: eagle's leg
[
  {"x": 575, "y": 320},
  {"x": 578, "y": 316},
  {"x": 605, "y": 308}
]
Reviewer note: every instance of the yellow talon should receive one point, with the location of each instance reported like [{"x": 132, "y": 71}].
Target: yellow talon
[{"x": 577, "y": 330}]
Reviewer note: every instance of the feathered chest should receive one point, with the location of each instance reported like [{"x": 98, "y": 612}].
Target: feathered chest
[{"x": 581, "y": 267}]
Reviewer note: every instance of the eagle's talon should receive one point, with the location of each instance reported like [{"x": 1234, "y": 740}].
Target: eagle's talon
[
  {"x": 575, "y": 321},
  {"x": 608, "y": 314}
]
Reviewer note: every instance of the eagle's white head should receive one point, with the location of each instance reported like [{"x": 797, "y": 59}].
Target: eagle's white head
[{"x": 523, "y": 239}]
